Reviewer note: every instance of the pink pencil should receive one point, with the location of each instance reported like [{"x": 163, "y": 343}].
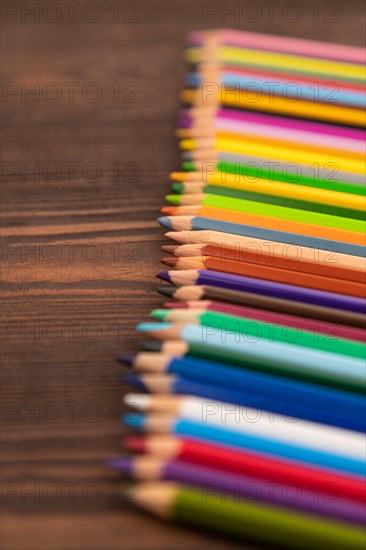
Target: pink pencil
[
  {"x": 288, "y": 134},
  {"x": 333, "y": 330},
  {"x": 283, "y": 122},
  {"x": 298, "y": 46}
]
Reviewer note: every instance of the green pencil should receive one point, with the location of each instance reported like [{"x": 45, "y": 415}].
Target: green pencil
[
  {"x": 254, "y": 329},
  {"x": 245, "y": 520},
  {"x": 263, "y": 209},
  {"x": 319, "y": 207}
]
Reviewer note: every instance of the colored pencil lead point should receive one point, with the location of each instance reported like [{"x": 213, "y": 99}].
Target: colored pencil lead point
[
  {"x": 134, "y": 381},
  {"x": 177, "y": 187},
  {"x": 188, "y": 166},
  {"x": 152, "y": 346},
  {"x": 171, "y": 262},
  {"x": 149, "y": 327},
  {"x": 125, "y": 358},
  {"x": 168, "y": 210},
  {"x": 187, "y": 158},
  {"x": 164, "y": 221},
  {"x": 167, "y": 290},
  {"x": 135, "y": 420},
  {"x": 164, "y": 275},
  {"x": 170, "y": 248},
  {"x": 173, "y": 199},
  {"x": 136, "y": 443},
  {"x": 159, "y": 314},
  {"x": 121, "y": 463}
]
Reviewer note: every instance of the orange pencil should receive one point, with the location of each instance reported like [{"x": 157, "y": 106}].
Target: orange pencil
[{"x": 254, "y": 253}]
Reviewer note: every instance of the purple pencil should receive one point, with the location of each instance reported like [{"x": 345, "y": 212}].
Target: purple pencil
[
  {"x": 266, "y": 288},
  {"x": 223, "y": 484}
]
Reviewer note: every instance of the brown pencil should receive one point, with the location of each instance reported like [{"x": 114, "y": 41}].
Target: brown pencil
[{"x": 199, "y": 294}]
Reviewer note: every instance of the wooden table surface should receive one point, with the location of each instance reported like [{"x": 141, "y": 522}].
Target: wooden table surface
[{"x": 84, "y": 171}]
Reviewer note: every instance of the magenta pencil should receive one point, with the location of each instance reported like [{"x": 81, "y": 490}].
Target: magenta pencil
[{"x": 283, "y": 122}]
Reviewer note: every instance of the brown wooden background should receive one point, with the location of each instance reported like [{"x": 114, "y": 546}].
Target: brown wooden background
[{"x": 80, "y": 249}]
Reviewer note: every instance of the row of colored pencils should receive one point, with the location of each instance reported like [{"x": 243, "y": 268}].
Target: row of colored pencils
[{"x": 253, "y": 389}]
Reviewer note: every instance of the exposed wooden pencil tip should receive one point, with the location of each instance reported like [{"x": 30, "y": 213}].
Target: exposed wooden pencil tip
[
  {"x": 168, "y": 210},
  {"x": 171, "y": 262},
  {"x": 170, "y": 249}
]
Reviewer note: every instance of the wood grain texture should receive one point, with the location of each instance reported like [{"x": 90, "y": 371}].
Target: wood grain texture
[{"x": 81, "y": 249}]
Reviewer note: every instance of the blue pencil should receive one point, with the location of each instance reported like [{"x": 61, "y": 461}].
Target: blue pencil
[
  {"x": 206, "y": 432},
  {"x": 287, "y": 360},
  {"x": 320, "y": 404},
  {"x": 233, "y": 80},
  {"x": 254, "y": 399},
  {"x": 198, "y": 223}
]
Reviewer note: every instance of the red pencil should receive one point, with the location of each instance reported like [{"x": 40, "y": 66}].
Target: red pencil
[{"x": 247, "y": 463}]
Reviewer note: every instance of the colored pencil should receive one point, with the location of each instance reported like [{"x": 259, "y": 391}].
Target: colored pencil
[
  {"x": 292, "y": 63},
  {"x": 293, "y": 258},
  {"x": 244, "y": 520},
  {"x": 200, "y": 160},
  {"x": 264, "y": 329},
  {"x": 256, "y": 373},
  {"x": 176, "y": 385},
  {"x": 271, "y": 198},
  {"x": 298, "y": 46},
  {"x": 209, "y": 480},
  {"x": 279, "y": 84},
  {"x": 299, "y": 190},
  {"x": 268, "y": 288},
  {"x": 217, "y": 214},
  {"x": 326, "y": 328},
  {"x": 263, "y": 209},
  {"x": 299, "y": 234},
  {"x": 278, "y": 249},
  {"x": 268, "y": 273},
  {"x": 260, "y": 132},
  {"x": 327, "y": 403},
  {"x": 199, "y": 116},
  {"x": 287, "y": 360},
  {"x": 249, "y": 148},
  {"x": 347, "y": 116},
  {"x": 244, "y": 462},
  {"x": 222, "y": 435},
  {"x": 254, "y": 421}
]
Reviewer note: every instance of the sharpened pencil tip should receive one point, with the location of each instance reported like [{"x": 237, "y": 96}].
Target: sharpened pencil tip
[
  {"x": 134, "y": 381},
  {"x": 164, "y": 221},
  {"x": 177, "y": 187},
  {"x": 136, "y": 443},
  {"x": 164, "y": 276},
  {"x": 171, "y": 262},
  {"x": 173, "y": 199},
  {"x": 170, "y": 248},
  {"x": 125, "y": 358},
  {"x": 135, "y": 420},
  {"x": 159, "y": 314},
  {"x": 169, "y": 211},
  {"x": 152, "y": 346},
  {"x": 152, "y": 327},
  {"x": 121, "y": 463},
  {"x": 188, "y": 166},
  {"x": 167, "y": 290}
]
